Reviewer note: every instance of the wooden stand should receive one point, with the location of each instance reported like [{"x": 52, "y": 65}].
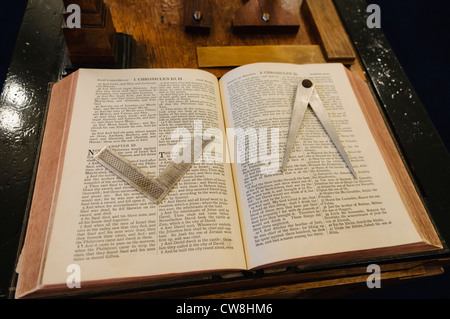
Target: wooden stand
[
  {"x": 264, "y": 16},
  {"x": 197, "y": 16}
]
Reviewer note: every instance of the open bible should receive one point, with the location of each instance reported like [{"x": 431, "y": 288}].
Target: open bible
[{"x": 234, "y": 209}]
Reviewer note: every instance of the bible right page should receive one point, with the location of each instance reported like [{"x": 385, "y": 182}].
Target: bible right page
[{"x": 316, "y": 206}]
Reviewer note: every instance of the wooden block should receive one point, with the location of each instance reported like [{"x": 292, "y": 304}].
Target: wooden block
[
  {"x": 231, "y": 56},
  {"x": 202, "y": 20},
  {"x": 248, "y": 19},
  {"x": 322, "y": 17},
  {"x": 90, "y": 44}
]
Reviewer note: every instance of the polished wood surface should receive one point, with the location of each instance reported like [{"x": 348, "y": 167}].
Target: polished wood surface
[
  {"x": 326, "y": 26},
  {"x": 229, "y": 56},
  {"x": 162, "y": 42}
]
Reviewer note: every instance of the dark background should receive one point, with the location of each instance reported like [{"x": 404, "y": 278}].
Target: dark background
[{"x": 419, "y": 33}]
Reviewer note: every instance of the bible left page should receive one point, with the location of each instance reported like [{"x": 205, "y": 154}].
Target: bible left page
[{"x": 105, "y": 226}]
